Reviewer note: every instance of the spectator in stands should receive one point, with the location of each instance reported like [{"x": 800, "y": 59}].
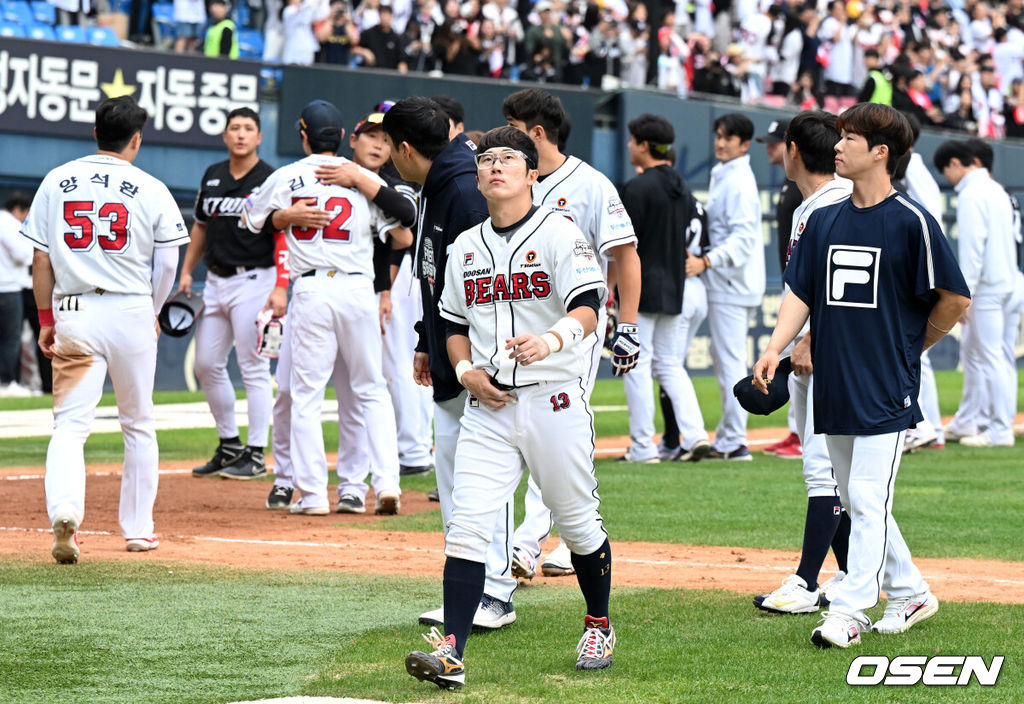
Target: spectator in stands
[
  {"x": 338, "y": 36},
  {"x": 15, "y": 259},
  {"x": 493, "y": 48},
  {"x": 673, "y": 52},
  {"x": 456, "y": 46},
  {"x": 189, "y": 20},
  {"x": 547, "y": 43},
  {"x": 382, "y": 45},
  {"x": 787, "y": 44},
  {"x": 419, "y": 33},
  {"x": 635, "y": 41},
  {"x": 367, "y": 14},
  {"x": 987, "y": 100},
  {"x": 1008, "y": 56},
  {"x": 273, "y": 31},
  {"x": 1013, "y": 110},
  {"x": 222, "y": 36},
  {"x": 507, "y": 25},
  {"x": 837, "y": 35},
  {"x": 961, "y": 117},
  {"x": 300, "y": 45},
  {"x": 605, "y": 55}
]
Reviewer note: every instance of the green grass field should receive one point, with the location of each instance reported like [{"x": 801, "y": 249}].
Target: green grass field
[{"x": 172, "y": 632}]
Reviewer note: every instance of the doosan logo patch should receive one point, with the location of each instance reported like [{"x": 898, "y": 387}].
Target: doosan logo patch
[{"x": 468, "y": 259}]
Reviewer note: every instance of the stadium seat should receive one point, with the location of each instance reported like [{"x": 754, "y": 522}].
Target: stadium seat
[
  {"x": 18, "y": 11},
  {"x": 73, "y": 34},
  {"x": 103, "y": 36},
  {"x": 11, "y": 29},
  {"x": 44, "y": 12},
  {"x": 38, "y": 30},
  {"x": 241, "y": 15},
  {"x": 250, "y": 43}
]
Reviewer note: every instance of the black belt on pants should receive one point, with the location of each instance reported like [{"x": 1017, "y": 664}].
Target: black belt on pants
[
  {"x": 506, "y": 387},
  {"x": 329, "y": 272},
  {"x": 228, "y": 271}
]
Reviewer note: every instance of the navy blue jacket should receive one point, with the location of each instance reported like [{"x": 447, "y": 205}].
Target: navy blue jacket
[{"x": 450, "y": 204}]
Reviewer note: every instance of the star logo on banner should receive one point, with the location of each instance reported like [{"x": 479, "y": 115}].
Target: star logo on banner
[{"x": 117, "y": 87}]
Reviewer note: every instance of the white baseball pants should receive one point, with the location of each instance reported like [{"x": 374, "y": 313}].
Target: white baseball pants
[
  {"x": 496, "y": 446},
  {"x": 412, "y": 402},
  {"x": 817, "y": 465},
  {"x": 231, "y": 305},
  {"x": 448, "y": 422},
  {"x": 281, "y": 439},
  {"x": 113, "y": 333},
  {"x": 335, "y": 318},
  {"x": 729, "y": 325},
  {"x": 928, "y": 400},
  {"x": 865, "y": 469}
]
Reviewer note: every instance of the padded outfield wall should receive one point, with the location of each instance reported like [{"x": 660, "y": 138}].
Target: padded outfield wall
[{"x": 35, "y": 137}]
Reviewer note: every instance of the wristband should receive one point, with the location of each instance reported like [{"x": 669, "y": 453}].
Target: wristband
[
  {"x": 554, "y": 344},
  {"x": 461, "y": 368},
  {"x": 46, "y": 317},
  {"x": 569, "y": 332},
  {"x": 281, "y": 260}
]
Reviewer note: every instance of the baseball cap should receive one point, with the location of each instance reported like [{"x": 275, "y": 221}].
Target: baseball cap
[
  {"x": 180, "y": 312},
  {"x": 751, "y": 398},
  {"x": 371, "y": 121},
  {"x": 321, "y": 120},
  {"x": 542, "y": 6},
  {"x": 776, "y": 132}
]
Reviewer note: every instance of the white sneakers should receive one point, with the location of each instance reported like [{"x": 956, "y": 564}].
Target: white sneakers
[
  {"x": 827, "y": 588},
  {"x": 142, "y": 544},
  {"x": 983, "y": 440},
  {"x": 491, "y": 614},
  {"x": 837, "y": 630},
  {"x": 901, "y": 614},
  {"x": 792, "y": 597}
]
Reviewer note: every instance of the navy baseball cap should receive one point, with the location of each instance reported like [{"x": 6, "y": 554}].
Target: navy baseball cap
[
  {"x": 321, "y": 120},
  {"x": 754, "y": 401},
  {"x": 776, "y": 132}
]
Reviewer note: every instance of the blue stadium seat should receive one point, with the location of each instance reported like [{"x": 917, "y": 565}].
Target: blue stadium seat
[
  {"x": 250, "y": 43},
  {"x": 44, "y": 12},
  {"x": 103, "y": 36},
  {"x": 73, "y": 34},
  {"x": 38, "y": 30},
  {"x": 18, "y": 11},
  {"x": 11, "y": 29}
]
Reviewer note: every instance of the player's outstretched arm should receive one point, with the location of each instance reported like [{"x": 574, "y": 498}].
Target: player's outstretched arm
[
  {"x": 792, "y": 316},
  {"x": 945, "y": 313}
]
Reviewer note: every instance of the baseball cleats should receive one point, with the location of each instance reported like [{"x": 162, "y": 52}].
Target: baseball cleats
[
  {"x": 984, "y": 440},
  {"x": 558, "y": 563},
  {"x": 433, "y": 495},
  {"x": 226, "y": 455},
  {"x": 387, "y": 503},
  {"x": 669, "y": 454},
  {"x": 408, "y": 471},
  {"x": 493, "y": 614},
  {"x": 826, "y": 591},
  {"x": 350, "y": 503},
  {"x": 901, "y": 614},
  {"x": 65, "y": 540},
  {"x": 443, "y": 666},
  {"x": 919, "y": 438},
  {"x": 142, "y": 544},
  {"x": 792, "y": 597},
  {"x": 837, "y": 630},
  {"x": 596, "y": 646},
  {"x": 653, "y": 459},
  {"x": 789, "y": 440},
  {"x": 740, "y": 454},
  {"x": 250, "y": 465},
  {"x": 280, "y": 498},
  {"x": 524, "y": 566},
  {"x": 698, "y": 451},
  {"x": 300, "y": 508}
]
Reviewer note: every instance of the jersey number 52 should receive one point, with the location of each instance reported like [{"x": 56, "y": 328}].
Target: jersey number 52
[
  {"x": 334, "y": 231},
  {"x": 81, "y": 216}
]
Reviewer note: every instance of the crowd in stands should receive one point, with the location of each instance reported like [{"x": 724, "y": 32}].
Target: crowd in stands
[{"x": 953, "y": 63}]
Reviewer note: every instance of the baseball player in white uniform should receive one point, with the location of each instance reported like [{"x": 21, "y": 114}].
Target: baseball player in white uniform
[
  {"x": 522, "y": 271},
  {"x": 106, "y": 236},
  {"x": 583, "y": 195},
  {"x": 333, "y": 311}
]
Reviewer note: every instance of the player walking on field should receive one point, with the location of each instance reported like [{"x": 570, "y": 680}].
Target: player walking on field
[
  {"x": 333, "y": 312},
  {"x": 522, "y": 293},
  {"x": 106, "y": 236},
  {"x": 583, "y": 195},
  {"x": 877, "y": 262},
  {"x": 239, "y": 280}
]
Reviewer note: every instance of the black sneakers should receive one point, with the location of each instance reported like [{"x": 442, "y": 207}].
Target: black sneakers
[
  {"x": 280, "y": 498},
  {"x": 225, "y": 456},
  {"x": 249, "y": 466}
]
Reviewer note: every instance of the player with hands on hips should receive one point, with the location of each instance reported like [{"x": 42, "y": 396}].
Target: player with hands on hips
[
  {"x": 522, "y": 292},
  {"x": 240, "y": 280},
  {"x": 879, "y": 262},
  {"x": 106, "y": 237}
]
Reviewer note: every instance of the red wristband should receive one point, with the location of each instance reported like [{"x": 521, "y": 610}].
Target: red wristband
[
  {"x": 281, "y": 260},
  {"x": 46, "y": 317}
]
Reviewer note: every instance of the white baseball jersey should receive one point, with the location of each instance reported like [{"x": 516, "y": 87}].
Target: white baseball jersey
[
  {"x": 343, "y": 244},
  {"x": 502, "y": 289},
  {"x": 99, "y": 218},
  {"x": 581, "y": 193}
]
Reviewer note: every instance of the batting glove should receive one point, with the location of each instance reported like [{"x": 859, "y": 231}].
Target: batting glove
[{"x": 625, "y": 348}]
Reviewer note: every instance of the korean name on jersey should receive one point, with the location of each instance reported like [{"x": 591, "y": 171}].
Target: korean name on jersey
[
  {"x": 585, "y": 196},
  {"x": 504, "y": 289},
  {"x": 99, "y": 219},
  {"x": 341, "y": 244}
]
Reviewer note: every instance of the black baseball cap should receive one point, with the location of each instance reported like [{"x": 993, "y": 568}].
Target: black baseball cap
[
  {"x": 776, "y": 132},
  {"x": 321, "y": 120},
  {"x": 754, "y": 401}
]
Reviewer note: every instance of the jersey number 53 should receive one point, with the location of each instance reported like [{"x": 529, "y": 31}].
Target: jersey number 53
[
  {"x": 334, "y": 231},
  {"x": 82, "y": 217}
]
